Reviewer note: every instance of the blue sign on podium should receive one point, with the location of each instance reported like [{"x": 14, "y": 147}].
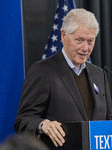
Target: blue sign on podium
[{"x": 100, "y": 135}]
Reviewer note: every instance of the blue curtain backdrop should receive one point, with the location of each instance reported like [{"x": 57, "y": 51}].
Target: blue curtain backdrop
[{"x": 11, "y": 64}]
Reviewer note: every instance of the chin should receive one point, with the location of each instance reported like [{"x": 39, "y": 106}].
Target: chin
[{"x": 82, "y": 62}]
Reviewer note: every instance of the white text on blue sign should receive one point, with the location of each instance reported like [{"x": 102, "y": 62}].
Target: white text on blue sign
[{"x": 103, "y": 141}]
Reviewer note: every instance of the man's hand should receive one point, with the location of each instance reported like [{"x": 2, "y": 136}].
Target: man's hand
[{"x": 54, "y": 130}]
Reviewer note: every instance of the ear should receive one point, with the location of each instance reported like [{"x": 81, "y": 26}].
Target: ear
[{"x": 63, "y": 36}]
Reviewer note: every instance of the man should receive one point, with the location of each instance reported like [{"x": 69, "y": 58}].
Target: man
[{"x": 65, "y": 88}]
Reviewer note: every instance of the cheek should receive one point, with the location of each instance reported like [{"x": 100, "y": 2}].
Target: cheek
[
  {"x": 91, "y": 49},
  {"x": 75, "y": 46},
  {"x": 92, "y": 46}
]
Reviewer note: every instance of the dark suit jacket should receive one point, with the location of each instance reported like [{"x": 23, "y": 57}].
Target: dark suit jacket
[{"x": 50, "y": 91}]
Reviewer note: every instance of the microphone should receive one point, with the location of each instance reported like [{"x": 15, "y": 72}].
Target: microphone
[{"x": 107, "y": 69}]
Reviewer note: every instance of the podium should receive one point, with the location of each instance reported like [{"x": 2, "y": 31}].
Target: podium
[{"x": 90, "y": 135}]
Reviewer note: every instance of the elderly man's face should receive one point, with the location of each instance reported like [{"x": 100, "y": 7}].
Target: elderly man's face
[{"x": 79, "y": 45}]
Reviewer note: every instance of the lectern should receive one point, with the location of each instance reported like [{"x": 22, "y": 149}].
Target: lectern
[{"x": 87, "y": 135}]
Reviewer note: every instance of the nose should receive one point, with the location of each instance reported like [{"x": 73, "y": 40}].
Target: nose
[{"x": 85, "y": 46}]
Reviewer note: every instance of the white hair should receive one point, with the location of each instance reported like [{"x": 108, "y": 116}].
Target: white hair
[{"x": 78, "y": 17}]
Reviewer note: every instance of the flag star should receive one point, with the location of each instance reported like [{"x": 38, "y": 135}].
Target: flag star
[
  {"x": 54, "y": 38},
  {"x": 46, "y": 46},
  {"x": 53, "y": 48},
  {"x": 63, "y": 18},
  {"x": 55, "y": 27},
  {"x": 57, "y": 5},
  {"x": 44, "y": 56},
  {"x": 65, "y": 8},
  {"x": 61, "y": 41},
  {"x": 56, "y": 16}
]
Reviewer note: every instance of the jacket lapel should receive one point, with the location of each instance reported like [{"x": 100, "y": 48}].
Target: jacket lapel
[
  {"x": 67, "y": 78},
  {"x": 92, "y": 80}
]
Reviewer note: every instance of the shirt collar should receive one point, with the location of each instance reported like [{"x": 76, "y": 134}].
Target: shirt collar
[{"x": 75, "y": 69}]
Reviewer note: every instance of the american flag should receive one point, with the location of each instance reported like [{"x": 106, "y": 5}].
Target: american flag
[{"x": 54, "y": 43}]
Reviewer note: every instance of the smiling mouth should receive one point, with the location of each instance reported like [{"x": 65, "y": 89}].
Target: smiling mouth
[{"x": 82, "y": 55}]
